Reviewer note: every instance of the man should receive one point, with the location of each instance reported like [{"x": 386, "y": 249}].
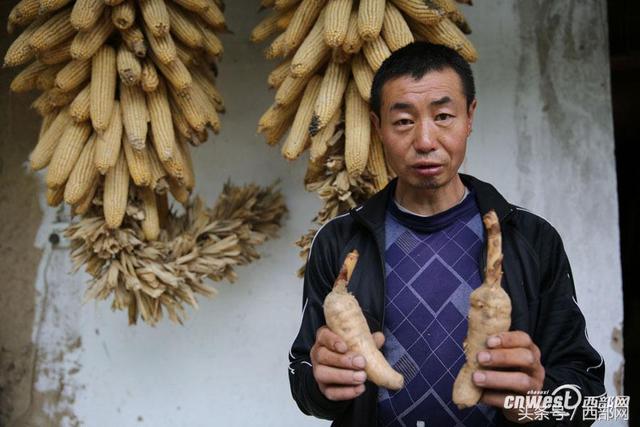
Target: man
[{"x": 422, "y": 252}]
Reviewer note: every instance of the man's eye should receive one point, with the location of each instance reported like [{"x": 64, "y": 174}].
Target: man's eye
[
  {"x": 402, "y": 122},
  {"x": 443, "y": 116}
]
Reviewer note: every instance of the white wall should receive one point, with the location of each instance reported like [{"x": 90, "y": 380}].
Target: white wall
[{"x": 543, "y": 136}]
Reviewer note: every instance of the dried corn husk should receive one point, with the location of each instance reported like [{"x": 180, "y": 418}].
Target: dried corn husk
[{"x": 152, "y": 278}]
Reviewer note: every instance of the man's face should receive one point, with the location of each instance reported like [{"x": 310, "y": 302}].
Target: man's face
[{"x": 424, "y": 125}]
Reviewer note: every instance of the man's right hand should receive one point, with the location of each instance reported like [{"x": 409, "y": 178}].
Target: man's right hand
[{"x": 339, "y": 373}]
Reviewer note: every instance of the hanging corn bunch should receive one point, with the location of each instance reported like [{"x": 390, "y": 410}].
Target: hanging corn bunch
[
  {"x": 148, "y": 278},
  {"x": 329, "y": 52},
  {"x": 127, "y": 86}
]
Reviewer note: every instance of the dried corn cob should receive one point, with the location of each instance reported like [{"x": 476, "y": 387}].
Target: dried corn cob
[
  {"x": 357, "y": 131},
  {"x": 134, "y": 114},
  {"x": 108, "y": 144},
  {"x": 83, "y": 174},
  {"x": 329, "y": 99},
  {"x": 299, "y": 134},
  {"x": 116, "y": 189},
  {"x": 129, "y": 67},
  {"x": 336, "y": 21},
  {"x": 395, "y": 30},
  {"x": 85, "y": 13},
  {"x": 103, "y": 87},
  {"x": 67, "y": 152}
]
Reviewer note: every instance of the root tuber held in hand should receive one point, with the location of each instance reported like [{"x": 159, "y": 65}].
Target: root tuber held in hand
[
  {"x": 345, "y": 318},
  {"x": 489, "y": 314}
]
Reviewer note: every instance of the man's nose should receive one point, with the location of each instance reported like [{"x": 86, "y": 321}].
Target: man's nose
[{"x": 426, "y": 138}]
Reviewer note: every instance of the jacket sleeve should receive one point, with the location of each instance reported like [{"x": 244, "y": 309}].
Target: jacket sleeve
[
  {"x": 320, "y": 274},
  {"x": 567, "y": 355}
]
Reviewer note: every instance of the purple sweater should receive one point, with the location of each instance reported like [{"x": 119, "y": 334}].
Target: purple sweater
[{"x": 432, "y": 264}]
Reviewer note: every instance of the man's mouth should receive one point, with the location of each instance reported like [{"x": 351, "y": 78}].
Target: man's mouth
[{"x": 427, "y": 168}]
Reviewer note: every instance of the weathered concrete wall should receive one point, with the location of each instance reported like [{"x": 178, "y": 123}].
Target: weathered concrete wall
[{"x": 543, "y": 136}]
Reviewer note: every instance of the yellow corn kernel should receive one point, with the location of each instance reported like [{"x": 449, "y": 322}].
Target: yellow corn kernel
[{"x": 312, "y": 52}]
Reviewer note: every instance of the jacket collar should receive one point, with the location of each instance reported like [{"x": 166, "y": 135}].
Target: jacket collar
[{"x": 373, "y": 211}]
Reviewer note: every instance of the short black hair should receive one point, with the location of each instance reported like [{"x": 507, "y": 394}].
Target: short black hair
[{"x": 416, "y": 60}]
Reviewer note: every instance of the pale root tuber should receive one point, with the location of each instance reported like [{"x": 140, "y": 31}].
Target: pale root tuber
[
  {"x": 489, "y": 314},
  {"x": 345, "y": 318}
]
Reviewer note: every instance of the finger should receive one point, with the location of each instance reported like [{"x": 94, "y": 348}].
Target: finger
[
  {"x": 378, "y": 337},
  {"x": 330, "y": 375},
  {"x": 503, "y": 380},
  {"x": 327, "y": 338},
  {"x": 509, "y": 339},
  {"x": 521, "y": 358},
  {"x": 343, "y": 392},
  {"x": 493, "y": 398},
  {"x": 350, "y": 360}
]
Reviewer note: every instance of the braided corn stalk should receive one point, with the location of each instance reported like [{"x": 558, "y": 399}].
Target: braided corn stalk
[
  {"x": 341, "y": 44},
  {"x": 134, "y": 80}
]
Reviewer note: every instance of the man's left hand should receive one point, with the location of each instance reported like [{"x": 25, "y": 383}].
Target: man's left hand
[{"x": 520, "y": 371}]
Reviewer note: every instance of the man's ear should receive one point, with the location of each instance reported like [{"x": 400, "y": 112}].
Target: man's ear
[
  {"x": 470, "y": 114},
  {"x": 375, "y": 121}
]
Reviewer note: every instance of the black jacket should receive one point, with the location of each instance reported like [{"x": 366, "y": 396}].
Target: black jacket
[{"x": 537, "y": 277}]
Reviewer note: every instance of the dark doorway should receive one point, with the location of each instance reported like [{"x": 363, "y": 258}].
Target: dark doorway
[{"x": 624, "y": 38}]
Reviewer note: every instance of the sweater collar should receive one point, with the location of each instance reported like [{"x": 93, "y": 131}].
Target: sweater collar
[{"x": 372, "y": 212}]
